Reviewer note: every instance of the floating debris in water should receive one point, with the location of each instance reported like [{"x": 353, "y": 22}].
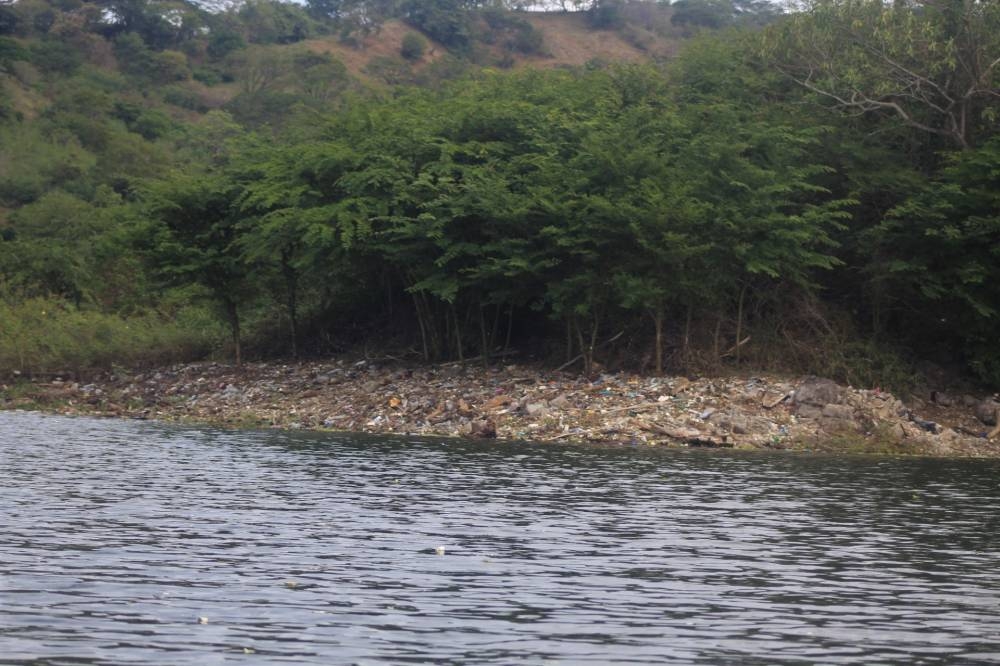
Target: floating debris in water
[
  {"x": 203, "y": 620},
  {"x": 440, "y": 550}
]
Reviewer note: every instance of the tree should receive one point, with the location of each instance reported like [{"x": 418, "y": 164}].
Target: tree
[
  {"x": 940, "y": 253},
  {"x": 413, "y": 46},
  {"x": 934, "y": 66},
  {"x": 191, "y": 237}
]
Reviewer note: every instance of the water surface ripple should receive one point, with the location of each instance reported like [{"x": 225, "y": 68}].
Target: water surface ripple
[{"x": 116, "y": 537}]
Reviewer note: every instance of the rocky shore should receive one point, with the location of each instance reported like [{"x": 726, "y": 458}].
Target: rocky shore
[{"x": 528, "y": 403}]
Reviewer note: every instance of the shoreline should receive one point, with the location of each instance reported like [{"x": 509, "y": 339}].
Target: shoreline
[{"x": 529, "y": 403}]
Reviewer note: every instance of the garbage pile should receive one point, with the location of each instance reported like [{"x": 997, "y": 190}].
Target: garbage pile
[{"x": 530, "y": 403}]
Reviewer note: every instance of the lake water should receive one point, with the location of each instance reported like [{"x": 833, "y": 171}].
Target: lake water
[{"x": 131, "y": 542}]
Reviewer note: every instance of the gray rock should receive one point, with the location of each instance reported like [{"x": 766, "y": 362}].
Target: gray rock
[
  {"x": 987, "y": 411},
  {"x": 817, "y": 391},
  {"x": 809, "y": 411},
  {"x": 842, "y": 412},
  {"x": 738, "y": 424},
  {"x": 942, "y": 399}
]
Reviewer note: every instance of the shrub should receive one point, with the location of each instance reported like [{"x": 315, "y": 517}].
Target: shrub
[
  {"x": 413, "y": 47},
  {"x": 42, "y": 335}
]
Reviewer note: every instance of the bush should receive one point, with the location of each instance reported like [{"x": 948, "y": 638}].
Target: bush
[
  {"x": 222, "y": 44},
  {"x": 391, "y": 69},
  {"x": 185, "y": 99},
  {"x": 413, "y": 47},
  {"x": 10, "y": 51},
  {"x": 527, "y": 40},
  {"x": 54, "y": 56},
  {"x": 43, "y": 335}
]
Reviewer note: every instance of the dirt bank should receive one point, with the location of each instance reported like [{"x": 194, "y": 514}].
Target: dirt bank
[{"x": 526, "y": 402}]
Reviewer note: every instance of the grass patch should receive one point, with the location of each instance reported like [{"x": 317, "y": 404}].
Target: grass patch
[{"x": 42, "y": 336}]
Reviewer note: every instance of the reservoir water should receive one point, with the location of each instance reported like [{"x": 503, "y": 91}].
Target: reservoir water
[{"x": 132, "y": 542}]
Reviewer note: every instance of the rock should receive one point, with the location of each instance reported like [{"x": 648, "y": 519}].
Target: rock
[
  {"x": 942, "y": 399},
  {"x": 809, "y": 411},
  {"x": 988, "y": 411},
  {"x": 842, "y": 412},
  {"x": 818, "y": 391},
  {"x": 887, "y": 408},
  {"x": 969, "y": 400}
]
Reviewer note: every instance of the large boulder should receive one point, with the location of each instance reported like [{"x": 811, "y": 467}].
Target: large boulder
[
  {"x": 988, "y": 411},
  {"x": 818, "y": 392},
  {"x": 814, "y": 394}
]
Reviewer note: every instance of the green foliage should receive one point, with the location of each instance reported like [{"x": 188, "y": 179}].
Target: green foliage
[
  {"x": 712, "y": 195},
  {"x": 445, "y": 21},
  {"x": 605, "y": 14},
  {"x": 45, "y": 335},
  {"x": 932, "y": 67},
  {"x": 276, "y": 22},
  {"x": 222, "y": 43},
  {"x": 413, "y": 47},
  {"x": 10, "y": 51},
  {"x": 55, "y": 56},
  {"x": 389, "y": 69},
  {"x": 31, "y": 163}
]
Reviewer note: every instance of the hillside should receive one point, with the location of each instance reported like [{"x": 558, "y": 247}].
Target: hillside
[{"x": 444, "y": 180}]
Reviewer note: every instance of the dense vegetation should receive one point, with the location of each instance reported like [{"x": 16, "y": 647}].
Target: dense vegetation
[{"x": 818, "y": 191}]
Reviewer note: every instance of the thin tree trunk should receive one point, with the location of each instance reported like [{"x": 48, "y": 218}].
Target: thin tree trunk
[
  {"x": 658, "y": 323},
  {"x": 423, "y": 329},
  {"x": 483, "y": 337},
  {"x": 234, "y": 326},
  {"x": 585, "y": 350},
  {"x": 510, "y": 327},
  {"x": 715, "y": 341},
  {"x": 292, "y": 295},
  {"x": 496, "y": 327},
  {"x": 593, "y": 341},
  {"x": 739, "y": 322},
  {"x": 458, "y": 335},
  {"x": 687, "y": 336},
  {"x": 569, "y": 339}
]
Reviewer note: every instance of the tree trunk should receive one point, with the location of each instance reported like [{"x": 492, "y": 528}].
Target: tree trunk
[
  {"x": 423, "y": 329},
  {"x": 234, "y": 326},
  {"x": 569, "y": 339},
  {"x": 658, "y": 324},
  {"x": 510, "y": 327},
  {"x": 484, "y": 340},
  {"x": 292, "y": 294},
  {"x": 584, "y": 350},
  {"x": 715, "y": 341},
  {"x": 686, "y": 350},
  {"x": 739, "y": 322},
  {"x": 458, "y": 335}
]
